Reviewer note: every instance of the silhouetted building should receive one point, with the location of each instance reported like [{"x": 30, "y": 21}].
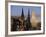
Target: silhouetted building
[
  {"x": 28, "y": 18},
  {"x": 15, "y": 25},
  {"x": 28, "y": 23},
  {"x": 22, "y": 21},
  {"x": 22, "y": 15}
]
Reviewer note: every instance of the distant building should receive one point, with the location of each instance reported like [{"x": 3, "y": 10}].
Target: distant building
[
  {"x": 22, "y": 21},
  {"x": 34, "y": 20},
  {"x": 22, "y": 15},
  {"x": 28, "y": 21}
]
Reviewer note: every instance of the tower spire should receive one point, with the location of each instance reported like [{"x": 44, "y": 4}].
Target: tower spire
[
  {"x": 28, "y": 21},
  {"x": 28, "y": 15},
  {"x": 22, "y": 15}
]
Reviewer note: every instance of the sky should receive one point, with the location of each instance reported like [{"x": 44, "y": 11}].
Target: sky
[{"x": 17, "y": 10}]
